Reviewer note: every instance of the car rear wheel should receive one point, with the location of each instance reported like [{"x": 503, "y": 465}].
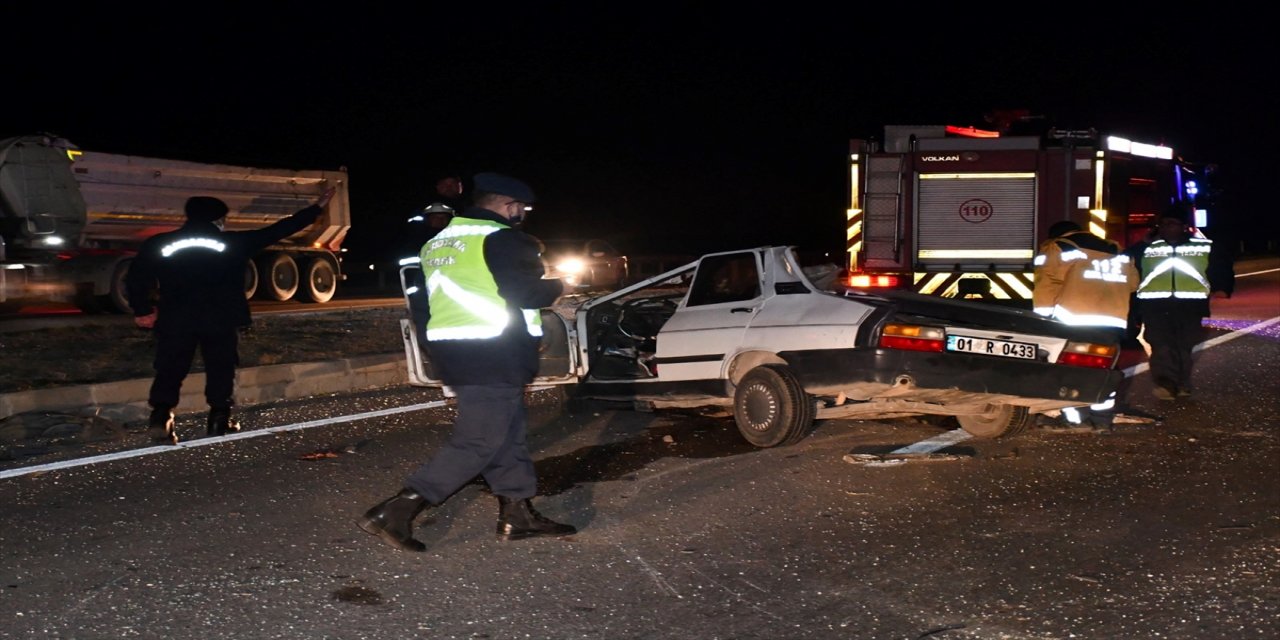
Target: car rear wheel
[
  {"x": 1001, "y": 421},
  {"x": 771, "y": 408}
]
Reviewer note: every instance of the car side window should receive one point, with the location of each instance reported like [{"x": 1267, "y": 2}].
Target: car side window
[{"x": 728, "y": 278}]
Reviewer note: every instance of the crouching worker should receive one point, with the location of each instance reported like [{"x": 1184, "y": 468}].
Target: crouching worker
[
  {"x": 196, "y": 274},
  {"x": 1084, "y": 281},
  {"x": 485, "y": 288}
]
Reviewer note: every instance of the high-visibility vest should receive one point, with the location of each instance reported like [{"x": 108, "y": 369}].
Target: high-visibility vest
[
  {"x": 1179, "y": 272},
  {"x": 461, "y": 291}
]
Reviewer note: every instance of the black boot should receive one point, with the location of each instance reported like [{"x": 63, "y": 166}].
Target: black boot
[
  {"x": 160, "y": 425},
  {"x": 517, "y": 519},
  {"x": 220, "y": 422},
  {"x": 392, "y": 520}
]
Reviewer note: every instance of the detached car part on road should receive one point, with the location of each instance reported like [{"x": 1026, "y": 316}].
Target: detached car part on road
[{"x": 749, "y": 331}]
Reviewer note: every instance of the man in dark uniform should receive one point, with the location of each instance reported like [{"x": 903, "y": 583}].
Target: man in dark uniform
[
  {"x": 199, "y": 273},
  {"x": 1181, "y": 271},
  {"x": 485, "y": 282}
]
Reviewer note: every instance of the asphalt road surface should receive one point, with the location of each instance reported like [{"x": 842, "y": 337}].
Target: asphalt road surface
[{"x": 864, "y": 529}]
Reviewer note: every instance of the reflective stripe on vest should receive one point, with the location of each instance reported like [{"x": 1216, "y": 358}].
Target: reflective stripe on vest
[
  {"x": 1065, "y": 316},
  {"x": 1175, "y": 272},
  {"x": 191, "y": 243},
  {"x": 462, "y": 294}
]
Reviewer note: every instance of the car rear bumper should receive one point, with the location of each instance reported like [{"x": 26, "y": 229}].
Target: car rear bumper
[{"x": 837, "y": 368}]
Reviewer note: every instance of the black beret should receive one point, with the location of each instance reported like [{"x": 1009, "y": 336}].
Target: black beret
[
  {"x": 205, "y": 208},
  {"x": 499, "y": 184}
]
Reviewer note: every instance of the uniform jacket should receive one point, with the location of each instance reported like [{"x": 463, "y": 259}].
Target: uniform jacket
[
  {"x": 1084, "y": 280},
  {"x": 199, "y": 272},
  {"x": 512, "y": 357}
]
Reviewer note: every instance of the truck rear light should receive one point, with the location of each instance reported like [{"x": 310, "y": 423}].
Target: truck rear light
[
  {"x": 910, "y": 337},
  {"x": 866, "y": 281},
  {"x": 1087, "y": 354}
]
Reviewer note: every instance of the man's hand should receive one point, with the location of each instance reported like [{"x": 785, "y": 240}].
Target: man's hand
[
  {"x": 326, "y": 197},
  {"x": 146, "y": 322}
]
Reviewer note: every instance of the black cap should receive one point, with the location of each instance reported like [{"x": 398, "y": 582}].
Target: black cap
[
  {"x": 499, "y": 184},
  {"x": 205, "y": 208}
]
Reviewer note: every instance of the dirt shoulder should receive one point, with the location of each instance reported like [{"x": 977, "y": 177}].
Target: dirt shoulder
[{"x": 63, "y": 356}]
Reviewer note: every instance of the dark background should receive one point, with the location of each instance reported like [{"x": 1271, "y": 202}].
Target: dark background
[{"x": 665, "y": 129}]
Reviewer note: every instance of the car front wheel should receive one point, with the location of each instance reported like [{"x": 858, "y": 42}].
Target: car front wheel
[{"x": 771, "y": 408}]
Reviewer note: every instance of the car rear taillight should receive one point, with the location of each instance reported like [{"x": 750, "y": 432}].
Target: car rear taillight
[
  {"x": 868, "y": 281},
  {"x": 910, "y": 337},
  {"x": 1087, "y": 354}
]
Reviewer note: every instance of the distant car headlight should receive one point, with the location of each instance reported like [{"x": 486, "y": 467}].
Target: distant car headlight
[
  {"x": 571, "y": 266},
  {"x": 53, "y": 241}
]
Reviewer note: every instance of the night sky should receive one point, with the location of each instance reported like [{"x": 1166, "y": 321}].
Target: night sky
[{"x": 660, "y": 129}]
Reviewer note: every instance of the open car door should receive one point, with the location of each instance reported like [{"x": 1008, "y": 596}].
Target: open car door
[{"x": 555, "y": 359}]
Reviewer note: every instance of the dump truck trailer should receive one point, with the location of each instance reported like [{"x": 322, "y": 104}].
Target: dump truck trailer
[{"x": 71, "y": 221}]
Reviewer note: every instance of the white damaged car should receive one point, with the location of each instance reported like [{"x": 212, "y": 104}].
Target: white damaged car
[{"x": 748, "y": 331}]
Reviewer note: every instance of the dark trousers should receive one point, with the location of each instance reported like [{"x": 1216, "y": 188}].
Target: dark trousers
[
  {"x": 488, "y": 440},
  {"x": 175, "y": 350},
  {"x": 1172, "y": 333}
]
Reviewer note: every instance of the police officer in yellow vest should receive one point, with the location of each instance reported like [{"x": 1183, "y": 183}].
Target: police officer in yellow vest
[
  {"x": 485, "y": 286},
  {"x": 1180, "y": 272},
  {"x": 1084, "y": 280}
]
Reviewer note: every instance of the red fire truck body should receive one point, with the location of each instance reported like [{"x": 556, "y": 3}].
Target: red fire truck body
[{"x": 960, "y": 212}]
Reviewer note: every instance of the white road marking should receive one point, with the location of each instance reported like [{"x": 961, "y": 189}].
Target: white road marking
[
  {"x": 243, "y": 435},
  {"x": 1226, "y": 337},
  {"x": 1255, "y": 273}
]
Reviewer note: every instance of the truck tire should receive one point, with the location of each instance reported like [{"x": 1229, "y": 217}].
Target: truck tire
[
  {"x": 117, "y": 298},
  {"x": 279, "y": 276},
  {"x": 771, "y": 408},
  {"x": 250, "y": 279},
  {"x": 1001, "y": 421},
  {"x": 319, "y": 279}
]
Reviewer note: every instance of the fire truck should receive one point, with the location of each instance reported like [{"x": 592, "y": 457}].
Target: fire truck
[{"x": 960, "y": 212}]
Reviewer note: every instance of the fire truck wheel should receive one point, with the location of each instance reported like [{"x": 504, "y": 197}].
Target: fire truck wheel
[
  {"x": 280, "y": 276},
  {"x": 319, "y": 279},
  {"x": 771, "y": 408},
  {"x": 1002, "y": 421}
]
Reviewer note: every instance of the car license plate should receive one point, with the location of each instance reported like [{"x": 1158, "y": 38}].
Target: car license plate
[{"x": 984, "y": 346}]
